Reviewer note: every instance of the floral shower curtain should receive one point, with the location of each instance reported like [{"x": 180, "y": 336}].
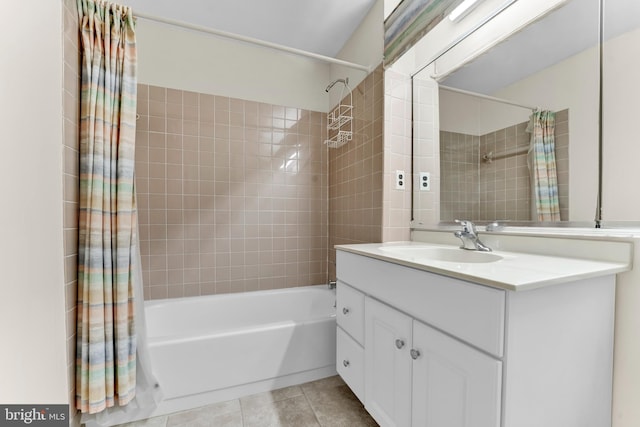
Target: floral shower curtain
[
  {"x": 106, "y": 327},
  {"x": 543, "y": 165}
]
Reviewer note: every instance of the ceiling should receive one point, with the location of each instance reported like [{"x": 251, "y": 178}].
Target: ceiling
[{"x": 319, "y": 26}]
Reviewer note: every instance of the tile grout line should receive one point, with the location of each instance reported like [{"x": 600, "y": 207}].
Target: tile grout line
[
  {"x": 241, "y": 411},
  {"x": 315, "y": 415}
]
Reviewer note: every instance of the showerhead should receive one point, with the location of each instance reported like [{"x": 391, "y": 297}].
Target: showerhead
[{"x": 345, "y": 81}]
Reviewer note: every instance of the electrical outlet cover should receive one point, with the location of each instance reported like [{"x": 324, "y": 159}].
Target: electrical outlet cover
[
  {"x": 400, "y": 180},
  {"x": 425, "y": 181}
]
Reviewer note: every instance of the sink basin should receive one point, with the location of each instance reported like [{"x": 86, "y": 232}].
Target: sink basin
[{"x": 442, "y": 254}]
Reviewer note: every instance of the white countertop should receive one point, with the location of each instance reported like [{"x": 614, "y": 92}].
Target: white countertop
[{"x": 516, "y": 271}]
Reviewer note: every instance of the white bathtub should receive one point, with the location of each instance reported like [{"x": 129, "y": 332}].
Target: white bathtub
[{"x": 215, "y": 348}]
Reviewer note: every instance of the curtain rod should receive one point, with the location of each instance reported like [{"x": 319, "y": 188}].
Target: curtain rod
[
  {"x": 490, "y": 98},
  {"x": 515, "y": 151},
  {"x": 254, "y": 41}
]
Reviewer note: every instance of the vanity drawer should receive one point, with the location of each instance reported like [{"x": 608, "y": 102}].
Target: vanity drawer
[
  {"x": 350, "y": 362},
  {"x": 350, "y": 311},
  {"x": 471, "y": 312}
]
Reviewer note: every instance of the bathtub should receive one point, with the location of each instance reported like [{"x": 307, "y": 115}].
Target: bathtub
[{"x": 214, "y": 348}]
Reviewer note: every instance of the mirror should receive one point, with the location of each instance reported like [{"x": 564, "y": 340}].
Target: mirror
[
  {"x": 621, "y": 90},
  {"x": 484, "y": 110}
]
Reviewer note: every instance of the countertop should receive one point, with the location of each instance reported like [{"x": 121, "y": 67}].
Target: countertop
[{"x": 516, "y": 271}]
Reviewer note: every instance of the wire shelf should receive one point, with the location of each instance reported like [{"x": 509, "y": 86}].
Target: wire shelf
[
  {"x": 340, "y": 119},
  {"x": 339, "y": 139},
  {"x": 340, "y": 116}
]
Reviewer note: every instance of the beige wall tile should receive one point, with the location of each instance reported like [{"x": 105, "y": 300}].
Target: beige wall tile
[
  {"x": 352, "y": 170},
  {"x": 213, "y": 192}
]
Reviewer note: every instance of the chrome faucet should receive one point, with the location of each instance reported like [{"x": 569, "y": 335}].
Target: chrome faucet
[{"x": 469, "y": 237}]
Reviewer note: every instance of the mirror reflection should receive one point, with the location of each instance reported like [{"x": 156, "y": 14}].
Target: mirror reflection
[
  {"x": 512, "y": 166},
  {"x": 518, "y": 126},
  {"x": 621, "y": 89}
]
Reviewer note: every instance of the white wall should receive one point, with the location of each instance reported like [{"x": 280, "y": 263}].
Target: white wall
[
  {"x": 471, "y": 115},
  {"x": 364, "y": 47},
  {"x": 183, "y": 59},
  {"x": 173, "y": 57},
  {"x": 32, "y": 310}
]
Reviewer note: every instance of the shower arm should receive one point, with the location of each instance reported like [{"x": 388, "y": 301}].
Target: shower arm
[{"x": 344, "y": 81}]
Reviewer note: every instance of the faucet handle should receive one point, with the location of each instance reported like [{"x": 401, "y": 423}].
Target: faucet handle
[{"x": 467, "y": 226}]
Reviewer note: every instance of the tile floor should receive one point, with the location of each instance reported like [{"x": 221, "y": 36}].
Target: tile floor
[{"x": 323, "y": 403}]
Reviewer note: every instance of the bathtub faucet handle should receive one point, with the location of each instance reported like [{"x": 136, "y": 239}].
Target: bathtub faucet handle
[{"x": 345, "y": 310}]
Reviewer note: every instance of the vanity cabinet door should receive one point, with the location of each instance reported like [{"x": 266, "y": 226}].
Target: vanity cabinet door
[
  {"x": 454, "y": 385},
  {"x": 387, "y": 364},
  {"x": 350, "y": 311},
  {"x": 350, "y": 362}
]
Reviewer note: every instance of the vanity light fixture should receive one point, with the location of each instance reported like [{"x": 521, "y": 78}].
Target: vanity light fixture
[{"x": 462, "y": 10}]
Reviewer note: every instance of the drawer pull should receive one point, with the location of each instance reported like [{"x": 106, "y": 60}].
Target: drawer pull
[
  {"x": 399, "y": 344},
  {"x": 345, "y": 363},
  {"x": 345, "y": 311},
  {"x": 414, "y": 353}
]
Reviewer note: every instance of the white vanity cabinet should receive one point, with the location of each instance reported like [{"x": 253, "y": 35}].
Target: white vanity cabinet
[
  {"x": 416, "y": 375},
  {"x": 388, "y": 338},
  {"x": 453, "y": 384},
  {"x": 443, "y": 352}
]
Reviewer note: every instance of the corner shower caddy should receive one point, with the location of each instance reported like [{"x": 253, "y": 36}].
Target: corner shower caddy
[{"x": 340, "y": 120}]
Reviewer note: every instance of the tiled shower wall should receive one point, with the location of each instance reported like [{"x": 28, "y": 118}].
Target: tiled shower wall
[
  {"x": 356, "y": 173},
  {"x": 232, "y": 194},
  {"x": 501, "y": 189},
  {"x": 505, "y": 189},
  {"x": 460, "y": 168},
  {"x": 562, "y": 161}
]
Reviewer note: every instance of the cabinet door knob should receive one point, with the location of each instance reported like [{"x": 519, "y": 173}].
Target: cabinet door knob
[
  {"x": 345, "y": 310},
  {"x": 345, "y": 363},
  {"x": 414, "y": 353},
  {"x": 399, "y": 344}
]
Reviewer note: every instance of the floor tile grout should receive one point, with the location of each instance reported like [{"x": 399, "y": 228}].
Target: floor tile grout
[
  {"x": 315, "y": 414},
  {"x": 241, "y": 412}
]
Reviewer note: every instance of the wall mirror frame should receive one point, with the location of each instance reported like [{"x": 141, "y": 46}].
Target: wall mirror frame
[{"x": 584, "y": 181}]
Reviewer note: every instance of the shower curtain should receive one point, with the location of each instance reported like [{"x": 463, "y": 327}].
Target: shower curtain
[
  {"x": 542, "y": 164},
  {"x": 109, "y": 280}
]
